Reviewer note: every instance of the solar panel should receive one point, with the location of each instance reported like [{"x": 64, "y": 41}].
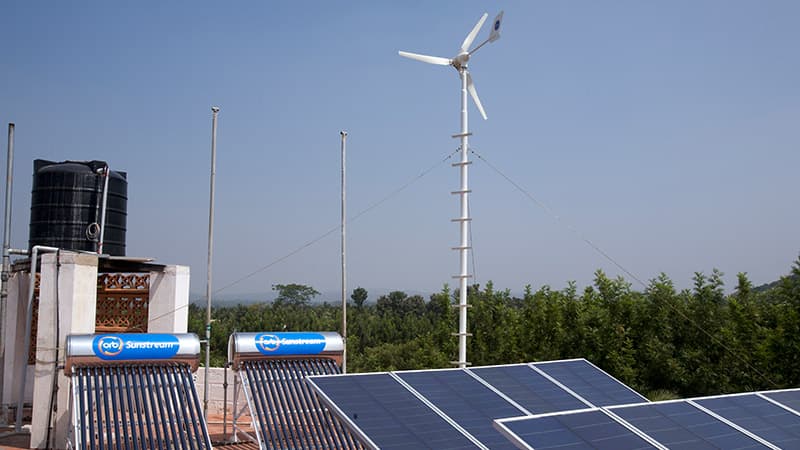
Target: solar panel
[
  {"x": 577, "y": 431},
  {"x": 466, "y": 400},
  {"x": 790, "y": 398},
  {"x": 589, "y": 382},
  {"x": 528, "y": 388},
  {"x": 387, "y": 415},
  {"x": 758, "y": 416},
  {"x": 680, "y": 425}
]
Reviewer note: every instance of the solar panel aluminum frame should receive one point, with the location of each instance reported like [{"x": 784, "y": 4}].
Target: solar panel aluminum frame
[
  {"x": 763, "y": 395},
  {"x": 542, "y": 363},
  {"x": 435, "y": 409},
  {"x": 468, "y": 372},
  {"x": 496, "y": 391},
  {"x": 760, "y": 394},
  {"x": 444, "y": 415},
  {"x": 333, "y": 407},
  {"x": 732, "y": 424},
  {"x": 610, "y": 409},
  {"x": 560, "y": 384},
  {"x": 500, "y": 425}
]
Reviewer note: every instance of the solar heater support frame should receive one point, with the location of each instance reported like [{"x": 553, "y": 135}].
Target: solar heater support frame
[
  {"x": 240, "y": 384},
  {"x": 75, "y": 412},
  {"x": 245, "y": 384}
]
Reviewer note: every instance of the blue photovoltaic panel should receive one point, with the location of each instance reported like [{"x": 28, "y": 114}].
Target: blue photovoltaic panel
[
  {"x": 591, "y": 383},
  {"x": 529, "y": 388},
  {"x": 679, "y": 425},
  {"x": 758, "y": 416},
  {"x": 788, "y": 398},
  {"x": 464, "y": 399},
  {"x": 388, "y": 413},
  {"x": 577, "y": 431}
]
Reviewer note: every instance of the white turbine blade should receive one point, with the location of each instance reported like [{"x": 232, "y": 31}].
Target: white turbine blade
[
  {"x": 495, "y": 34},
  {"x": 474, "y": 93},
  {"x": 428, "y": 59},
  {"x": 472, "y": 34}
]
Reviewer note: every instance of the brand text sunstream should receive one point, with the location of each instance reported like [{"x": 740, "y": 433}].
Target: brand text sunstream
[
  {"x": 300, "y": 341},
  {"x": 149, "y": 345}
]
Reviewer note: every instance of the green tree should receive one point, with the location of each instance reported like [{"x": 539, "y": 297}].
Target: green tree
[
  {"x": 294, "y": 294},
  {"x": 359, "y": 297}
]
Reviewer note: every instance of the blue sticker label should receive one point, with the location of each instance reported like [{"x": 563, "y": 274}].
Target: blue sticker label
[
  {"x": 281, "y": 344},
  {"x": 112, "y": 347}
]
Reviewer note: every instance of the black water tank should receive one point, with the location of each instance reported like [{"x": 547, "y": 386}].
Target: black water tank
[{"x": 66, "y": 206}]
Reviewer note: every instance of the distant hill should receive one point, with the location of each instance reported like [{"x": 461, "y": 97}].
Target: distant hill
[
  {"x": 768, "y": 286},
  {"x": 333, "y": 297}
]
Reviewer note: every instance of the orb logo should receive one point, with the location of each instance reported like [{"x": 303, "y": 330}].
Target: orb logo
[
  {"x": 109, "y": 346},
  {"x": 268, "y": 343},
  {"x": 497, "y": 25}
]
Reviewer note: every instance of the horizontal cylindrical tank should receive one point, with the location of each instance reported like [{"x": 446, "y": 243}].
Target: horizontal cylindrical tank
[
  {"x": 288, "y": 344},
  {"x": 66, "y": 206},
  {"x": 100, "y": 349}
]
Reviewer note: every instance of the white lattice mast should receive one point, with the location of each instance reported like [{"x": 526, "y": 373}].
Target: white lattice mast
[
  {"x": 459, "y": 62},
  {"x": 464, "y": 222}
]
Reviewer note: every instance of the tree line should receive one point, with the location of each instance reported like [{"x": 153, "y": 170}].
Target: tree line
[{"x": 661, "y": 341}]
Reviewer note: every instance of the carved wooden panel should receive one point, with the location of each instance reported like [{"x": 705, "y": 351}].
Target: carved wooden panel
[{"x": 122, "y": 303}]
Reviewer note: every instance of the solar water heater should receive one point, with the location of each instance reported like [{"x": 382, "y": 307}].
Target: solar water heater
[
  {"x": 135, "y": 391},
  {"x": 270, "y": 370}
]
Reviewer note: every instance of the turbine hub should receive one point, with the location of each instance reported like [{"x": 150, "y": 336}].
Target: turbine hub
[{"x": 461, "y": 60}]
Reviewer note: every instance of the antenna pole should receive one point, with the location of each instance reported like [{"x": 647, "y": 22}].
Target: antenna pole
[
  {"x": 4, "y": 277},
  {"x": 463, "y": 248},
  {"x": 344, "y": 258},
  {"x": 215, "y": 111}
]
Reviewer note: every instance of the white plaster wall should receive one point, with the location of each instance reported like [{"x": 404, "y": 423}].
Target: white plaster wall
[
  {"x": 67, "y": 293},
  {"x": 169, "y": 300},
  {"x": 14, "y": 340}
]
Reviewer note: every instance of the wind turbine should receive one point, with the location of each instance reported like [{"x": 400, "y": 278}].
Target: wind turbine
[{"x": 459, "y": 62}]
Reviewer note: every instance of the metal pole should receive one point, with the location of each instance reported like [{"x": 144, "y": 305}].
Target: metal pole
[
  {"x": 463, "y": 247},
  {"x": 344, "y": 257},
  {"x": 225, "y": 403},
  {"x": 6, "y": 266},
  {"x": 215, "y": 111},
  {"x": 106, "y": 173}
]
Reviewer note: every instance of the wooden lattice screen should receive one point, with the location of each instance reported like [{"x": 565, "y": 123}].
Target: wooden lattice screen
[{"x": 122, "y": 303}]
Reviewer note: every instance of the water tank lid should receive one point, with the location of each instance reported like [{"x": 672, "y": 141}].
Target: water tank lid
[{"x": 43, "y": 165}]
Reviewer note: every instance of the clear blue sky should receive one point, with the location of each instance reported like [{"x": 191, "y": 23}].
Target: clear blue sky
[{"x": 665, "y": 132}]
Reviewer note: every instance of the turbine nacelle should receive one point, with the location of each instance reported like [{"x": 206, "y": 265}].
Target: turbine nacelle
[{"x": 459, "y": 62}]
